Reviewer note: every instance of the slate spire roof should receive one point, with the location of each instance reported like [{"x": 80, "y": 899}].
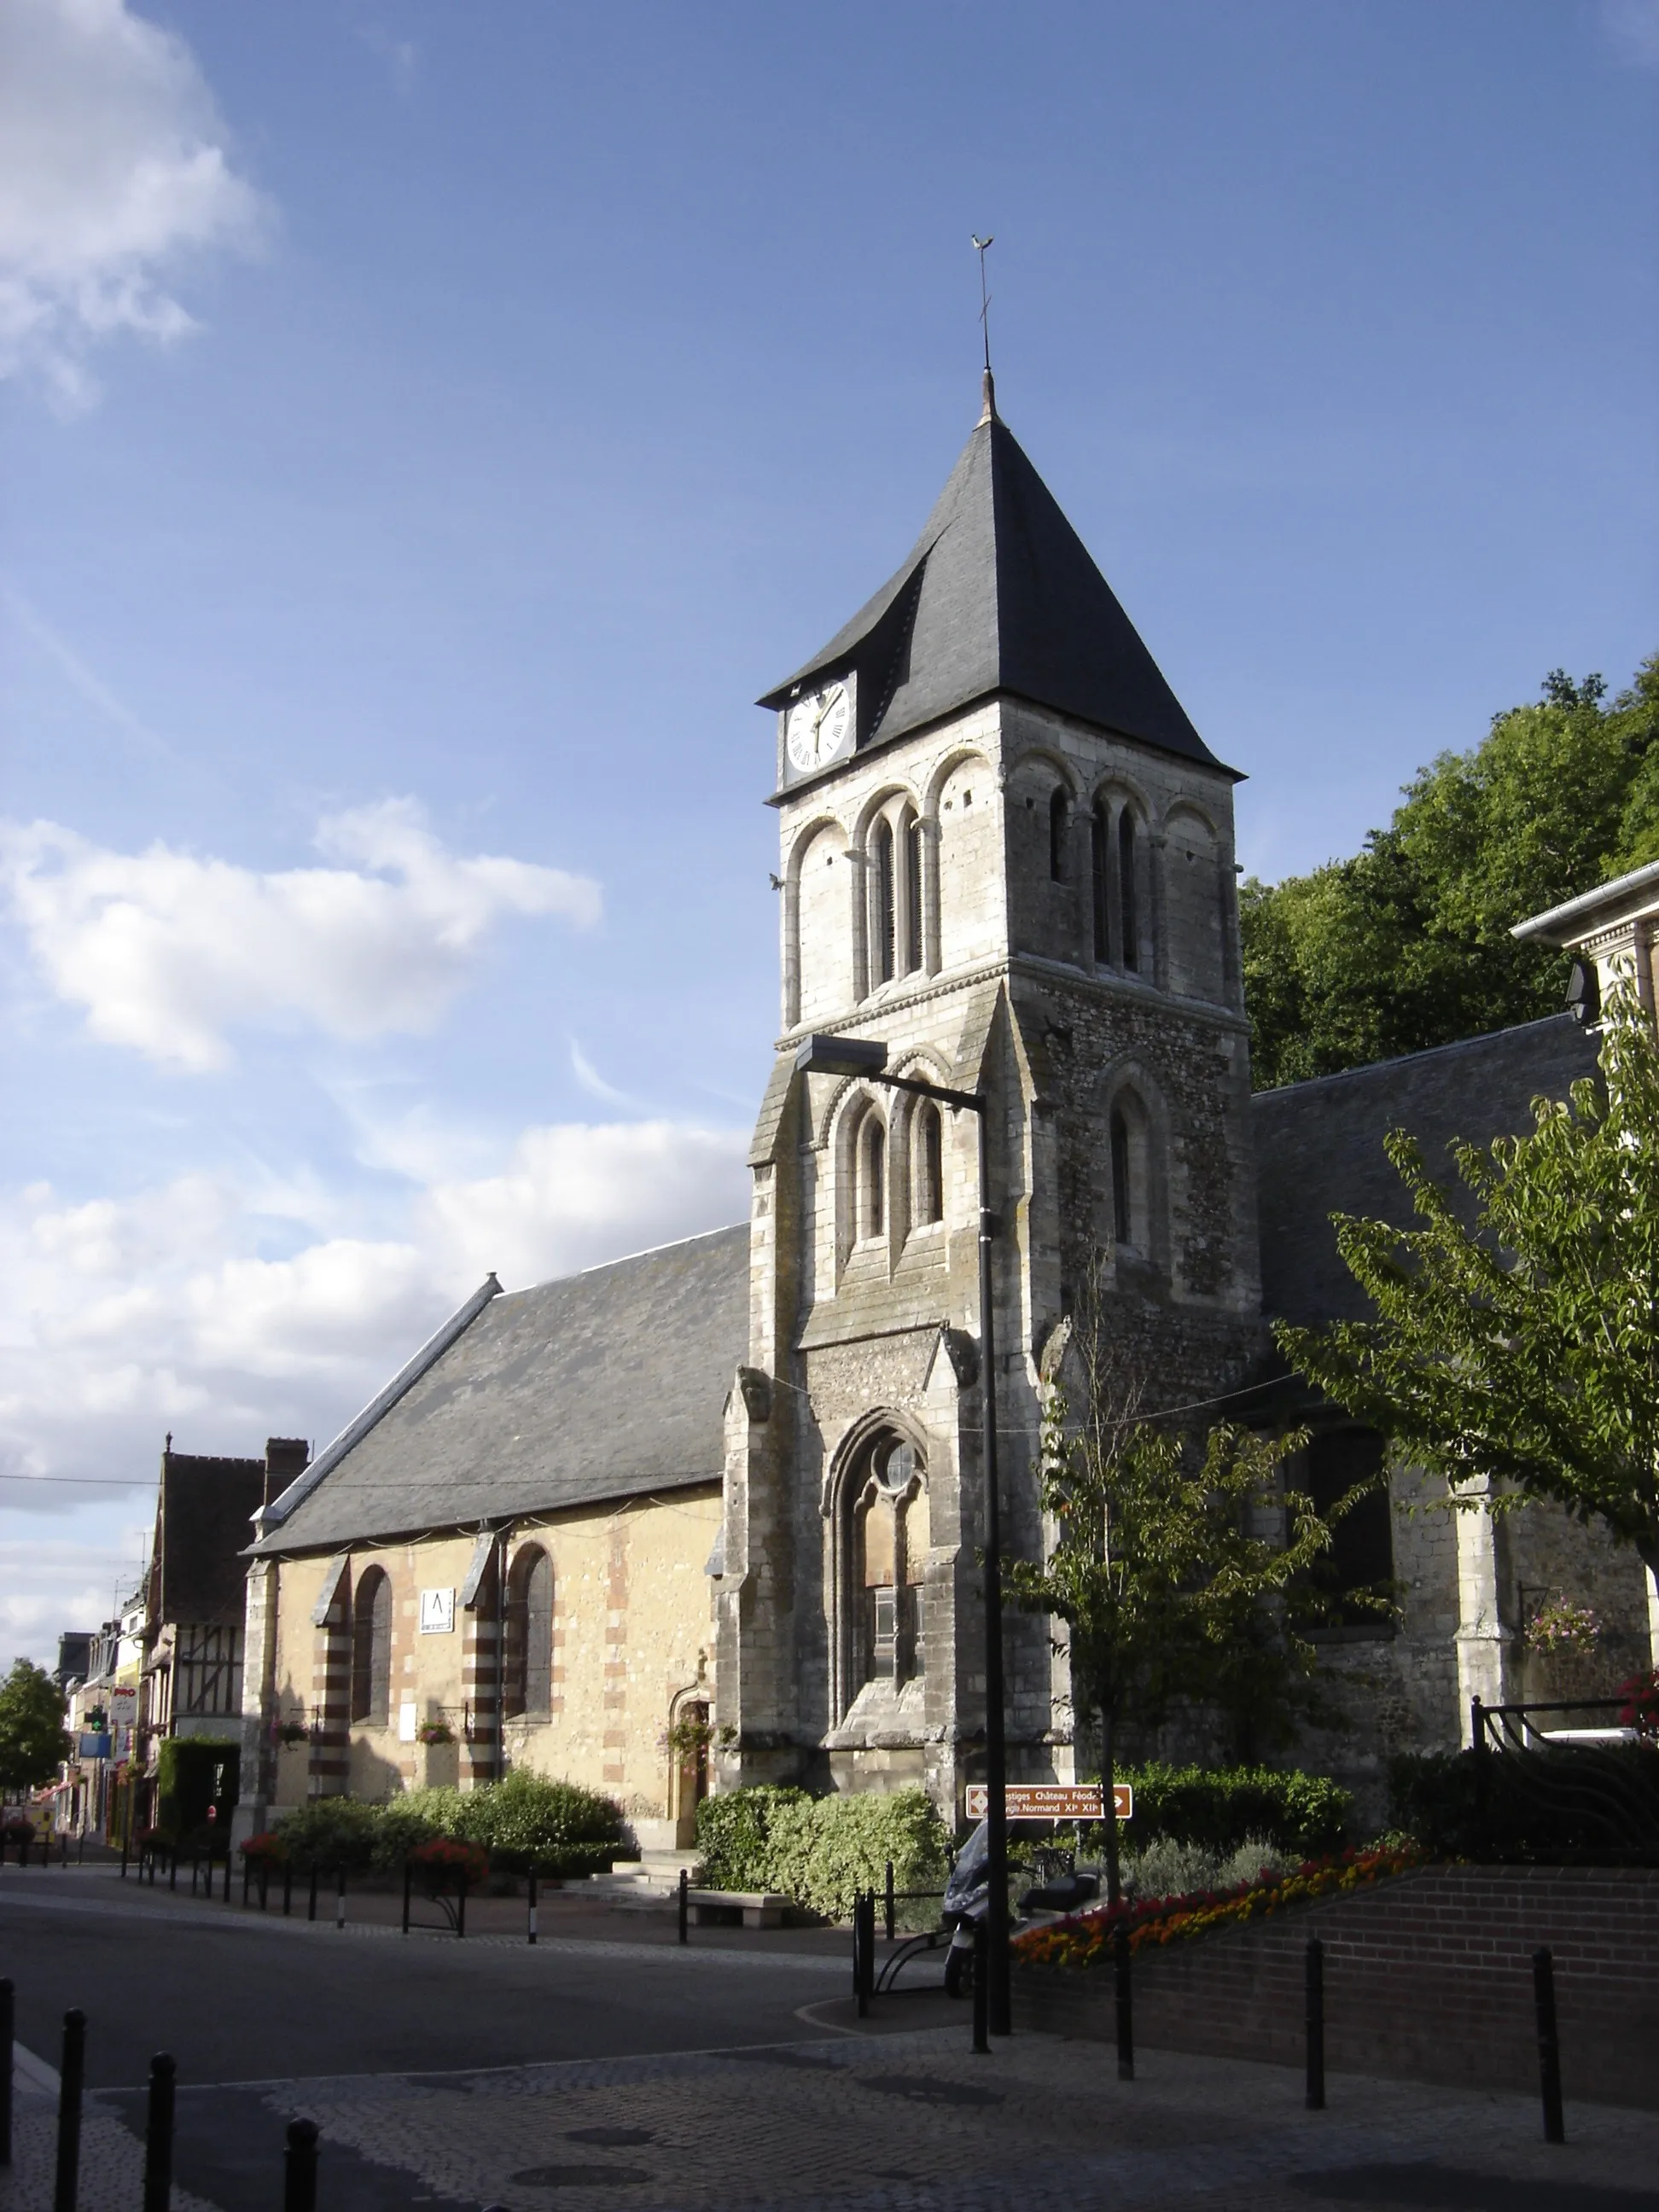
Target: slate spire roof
[{"x": 999, "y": 594}]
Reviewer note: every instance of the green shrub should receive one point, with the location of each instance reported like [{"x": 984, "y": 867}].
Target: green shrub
[
  {"x": 1219, "y": 1810},
  {"x": 331, "y": 1833},
  {"x": 821, "y": 1851},
  {"x": 1574, "y": 1805},
  {"x": 734, "y": 1834},
  {"x": 195, "y": 1776}
]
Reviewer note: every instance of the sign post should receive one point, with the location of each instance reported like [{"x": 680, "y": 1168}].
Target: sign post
[{"x": 1054, "y": 1801}]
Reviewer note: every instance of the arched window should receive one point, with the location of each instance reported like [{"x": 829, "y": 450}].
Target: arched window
[
  {"x": 912, "y": 895},
  {"x": 1361, "y": 1556},
  {"x": 371, "y": 1648},
  {"x": 882, "y": 913},
  {"x": 527, "y": 1665},
  {"x": 1060, "y": 823},
  {"x": 927, "y": 1173},
  {"x": 1123, "y": 1196},
  {"x": 890, "y": 1537},
  {"x": 1126, "y": 889},
  {"x": 1100, "y": 847},
  {"x": 872, "y": 1176}
]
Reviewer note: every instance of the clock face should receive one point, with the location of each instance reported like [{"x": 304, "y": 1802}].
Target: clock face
[{"x": 820, "y": 728}]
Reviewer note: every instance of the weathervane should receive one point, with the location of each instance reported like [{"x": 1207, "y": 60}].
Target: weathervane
[{"x": 981, "y": 245}]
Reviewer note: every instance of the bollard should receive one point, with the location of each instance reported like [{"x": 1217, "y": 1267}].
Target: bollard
[
  {"x": 532, "y": 1905},
  {"x": 409, "y": 1885},
  {"x": 981, "y": 1991},
  {"x": 1125, "y": 2002},
  {"x": 1549, "y": 2046},
  {"x": 859, "y": 1979},
  {"x": 172, "y": 1869},
  {"x": 685, "y": 1904},
  {"x": 288, "y": 1891},
  {"x": 123, "y": 1853},
  {"x": 248, "y": 1879},
  {"x": 8, "y": 2017},
  {"x": 1315, "y": 2015},
  {"x": 890, "y": 1918},
  {"x": 300, "y": 2167},
  {"x": 339, "y": 1897},
  {"x": 264, "y": 1886},
  {"x": 867, "y": 1905},
  {"x": 311, "y": 1908},
  {"x": 226, "y": 1889},
  {"x": 71, "y": 2075},
  {"x": 158, "y": 2134},
  {"x": 460, "y": 1909}
]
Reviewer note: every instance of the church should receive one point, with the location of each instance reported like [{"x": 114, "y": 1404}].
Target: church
[{"x": 709, "y": 1516}]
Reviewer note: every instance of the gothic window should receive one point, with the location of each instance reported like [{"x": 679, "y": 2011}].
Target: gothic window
[
  {"x": 1361, "y": 1556},
  {"x": 371, "y": 1648},
  {"x": 528, "y": 1665},
  {"x": 882, "y": 910},
  {"x": 872, "y": 1176},
  {"x": 1128, "y": 889},
  {"x": 1100, "y": 846},
  {"x": 1060, "y": 823},
  {"x": 927, "y": 1176},
  {"x": 912, "y": 894},
  {"x": 889, "y": 1538},
  {"x": 1122, "y": 1171}
]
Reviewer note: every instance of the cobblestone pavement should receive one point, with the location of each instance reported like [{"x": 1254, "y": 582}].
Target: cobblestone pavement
[{"x": 905, "y": 2123}]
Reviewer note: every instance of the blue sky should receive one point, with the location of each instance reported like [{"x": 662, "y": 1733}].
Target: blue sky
[{"x": 428, "y": 428}]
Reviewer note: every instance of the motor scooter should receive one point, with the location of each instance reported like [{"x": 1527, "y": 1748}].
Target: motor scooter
[{"x": 967, "y": 1902}]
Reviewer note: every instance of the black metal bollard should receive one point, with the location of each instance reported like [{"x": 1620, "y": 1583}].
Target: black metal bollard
[
  {"x": 891, "y": 1920},
  {"x": 1124, "y": 1992},
  {"x": 409, "y": 1886},
  {"x": 1549, "y": 2046},
  {"x": 248, "y": 1880},
  {"x": 532, "y": 1905},
  {"x": 339, "y": 1897},
  {"x": 685, "y": 1905},
  {"x": 172, "y": 1869},
  {"x": 158, "y": 2133},
  {"x": 288, "y": 1891},
  {"x": 981, "y": 1991},
  {"x": 71, "y": 2077},
  {"x": 264, "y": 1886},
  {"x": 860, "y": 1943},
  {"x": 1315, "y": 2015},
  {"x": 300, "y": 2167},
  {"x": 8, "y": 2023},
  {"x": 123, "y": 1853},
  {"x": 460, "y": 1906},
  {"x": 226, "y": 1889},
  {"x": 311, "y": 1908},
  {"x": 867, "y": 1955}
]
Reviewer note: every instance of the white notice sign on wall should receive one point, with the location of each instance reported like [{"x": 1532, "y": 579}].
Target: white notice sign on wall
[
  {"x": 437, "y": 1612},
  {"x": 406, "y": 1721}
]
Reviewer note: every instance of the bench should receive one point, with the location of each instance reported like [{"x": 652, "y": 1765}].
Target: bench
[{"x": 728, "y": 1908}]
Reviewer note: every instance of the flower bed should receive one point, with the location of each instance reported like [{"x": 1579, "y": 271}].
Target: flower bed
[
  {"x": 266, "y": 1849},
  {"x": 449, "y": 1860},
  {"x": 1085, "y": 1939}
]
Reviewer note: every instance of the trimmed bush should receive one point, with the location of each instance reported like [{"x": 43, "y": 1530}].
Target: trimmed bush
[
  {"x": 525, "y": 1820},
  {"x": 1579, "y": 1805},
  {"x": 822, "y": 1851},
  {"x": 1220, "y": 1810},
  {"x": 197, "y": 1781}
]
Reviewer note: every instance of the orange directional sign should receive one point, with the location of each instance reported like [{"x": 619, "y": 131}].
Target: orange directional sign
[{"x": 1054, "y": 1801}]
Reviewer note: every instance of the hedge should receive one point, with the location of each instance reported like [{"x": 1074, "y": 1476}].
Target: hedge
[
  {"x": 1580, "y": 1805},
  {"x": 821, "y": 1851},
  {"x": 523, "y": 1821},
  {"x": 1221, "y": 1808}
]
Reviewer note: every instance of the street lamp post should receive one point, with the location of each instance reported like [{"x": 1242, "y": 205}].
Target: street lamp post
[{"x": 858, "y": 1056}]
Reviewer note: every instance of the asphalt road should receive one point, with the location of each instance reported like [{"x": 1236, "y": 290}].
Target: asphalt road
[{"x": 242, "y": 1997}]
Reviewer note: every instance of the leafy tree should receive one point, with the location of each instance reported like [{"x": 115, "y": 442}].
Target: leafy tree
[
  {"x": 1521, "y": 1357},
  {"x": 32, "y": 1737},
  {"x": 1181, "y": 1573},
  {"x": 1408, "y": 945}
]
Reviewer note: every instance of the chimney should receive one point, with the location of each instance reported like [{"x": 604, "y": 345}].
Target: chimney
[{"x": 286, "y": 1457}]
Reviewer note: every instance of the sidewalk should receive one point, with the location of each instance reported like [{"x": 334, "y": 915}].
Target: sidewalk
[{"x": 909, "y": 2123}]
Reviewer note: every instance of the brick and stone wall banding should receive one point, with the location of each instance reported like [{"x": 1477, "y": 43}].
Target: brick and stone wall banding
[{"x": 1427, "y": 1977}]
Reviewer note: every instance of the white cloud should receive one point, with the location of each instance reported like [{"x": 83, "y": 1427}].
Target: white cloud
[
  {"x": 166, "y": 952},
  {"x": 113, "y": 165},
  {"x": 122, "y": 1318},
  {"x": 1634, "y": 28}
]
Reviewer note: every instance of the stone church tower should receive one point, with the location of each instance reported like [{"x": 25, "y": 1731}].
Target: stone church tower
[{"x": 1008, "y": 855}]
